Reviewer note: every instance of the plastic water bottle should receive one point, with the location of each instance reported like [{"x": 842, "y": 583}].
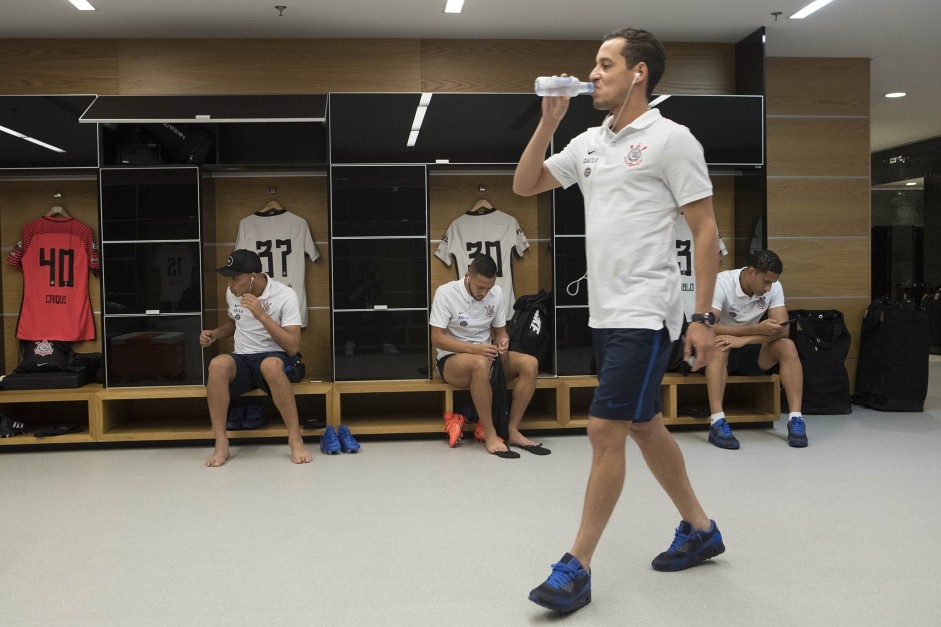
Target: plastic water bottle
[{"x": 562, "y": 86}]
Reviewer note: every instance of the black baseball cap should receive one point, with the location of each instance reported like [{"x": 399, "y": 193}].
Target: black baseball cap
[{"x": 241, "y": 261}]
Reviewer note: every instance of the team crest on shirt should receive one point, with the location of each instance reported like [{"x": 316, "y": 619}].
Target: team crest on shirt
[
  {"x": 762, "y": 303},
  {"x": 635, "y": 155},
  {"x": 490, "y": 310}
]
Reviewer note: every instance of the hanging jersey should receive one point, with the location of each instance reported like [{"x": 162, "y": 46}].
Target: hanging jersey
[
  {"x": 683, "y": 239},
  {"x": 282, "y": 240},
  {"x": 495, "y": 234},
  {"x": 55, "y": 256},
  {"x": 175, "y": 264}
]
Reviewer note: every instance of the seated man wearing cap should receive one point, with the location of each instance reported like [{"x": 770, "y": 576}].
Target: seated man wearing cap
[{"x": 264, "y": 317}]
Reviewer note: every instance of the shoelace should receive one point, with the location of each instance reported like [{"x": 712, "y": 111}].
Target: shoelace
[
  {"x": 797, "y": 426},
  {"x": 562, "y": 574},
  {"x": 724, "y": 428},
  {"x": 678, "y": 541}
]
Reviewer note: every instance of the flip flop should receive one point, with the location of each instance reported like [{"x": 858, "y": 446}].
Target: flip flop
[
  {"x": 57, "y": 430},
  {"x": 535, "y": 449},
  {"x": 507, "y": 454}
]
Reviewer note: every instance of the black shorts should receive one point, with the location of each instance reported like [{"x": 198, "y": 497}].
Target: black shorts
[
  {"x": 248, "y": 375},
  {"x": 631, "y": 363},
  {"x": 744, "y": 361},
  {"x": 441, "y": 365}
]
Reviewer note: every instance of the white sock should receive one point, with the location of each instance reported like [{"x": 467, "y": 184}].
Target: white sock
[
  {"x": 717, "y": 417},
  {"x": 794, "y": 414}
]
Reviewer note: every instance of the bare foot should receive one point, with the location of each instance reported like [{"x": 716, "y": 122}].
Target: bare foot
[
  {"x": 495, "y": 444},
  {"x": 218, "y": 457},
  {"x": 299, "y": 455},
  {"x": 518, "y": 438}
]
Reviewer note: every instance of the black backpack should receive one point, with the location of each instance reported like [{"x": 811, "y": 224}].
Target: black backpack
[
  {"x": 529, "y": 329},
  {"x": 500, "y": 403},
  {"x": 822, "y": 342}
]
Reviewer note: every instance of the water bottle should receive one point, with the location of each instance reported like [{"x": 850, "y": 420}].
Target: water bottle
[{"x": 562, "y": 86}]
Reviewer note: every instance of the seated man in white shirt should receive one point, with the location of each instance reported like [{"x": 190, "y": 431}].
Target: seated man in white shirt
[
  {"x": 462, "y": 315},
  {"x": 748, "y": 345}
]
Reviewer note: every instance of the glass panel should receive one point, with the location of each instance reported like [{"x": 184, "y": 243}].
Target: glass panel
[
  {"x": 162, "y": 276},
  {"x": 569, "y": 211},
  {"x": 570, "y": 266},
  {"x": 149, "y": 204},
  {"x": 381, "y": 345},
  {"x": 573, "y": 340},
  {"x": 370, "y": 272},
  {"x": 371, "y": 201},
  {"x": 153, "y": 350}
]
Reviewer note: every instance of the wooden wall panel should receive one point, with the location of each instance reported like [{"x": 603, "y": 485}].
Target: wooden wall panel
[
  {"x": 268, "y": 66},
  {"x": 58, "y": 66},
  {"x": 819, "y": 207},
  {"x": 824, "y": 267},
  {"x": 511, "y": 65},
  {"x": 815, "y": 86},
  {"x": 818, "y": 146}
]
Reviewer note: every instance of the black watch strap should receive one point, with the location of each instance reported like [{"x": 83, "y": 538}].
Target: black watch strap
[{"x": 707, "y": 318}]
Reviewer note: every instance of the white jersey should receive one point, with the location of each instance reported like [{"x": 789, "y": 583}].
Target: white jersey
[
  {"x": 685, "y": 258},
  {"x": 281, "y": 240},
  {"x": 493, "y": 233},
  {"x": 464, "y": 317},
  {"x": 279, "y": 301},
  {"x": 175, "y": 264},
  {"x": 634, "y": 182},
  {"x": 738, "y": 308}
]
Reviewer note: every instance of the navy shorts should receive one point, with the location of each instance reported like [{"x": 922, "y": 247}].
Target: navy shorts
[
  {"x": 248, "y": 375},
  {"x": 631, "y": 363},
  {"x": 744, "y": 361}
]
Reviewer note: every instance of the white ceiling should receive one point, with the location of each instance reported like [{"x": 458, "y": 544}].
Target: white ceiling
[{"x": 900, "y": 37}]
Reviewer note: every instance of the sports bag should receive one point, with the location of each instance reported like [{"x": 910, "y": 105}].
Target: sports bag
[
  {"x": 892, "y": 374},
  {"x": 184, "y": 143},
  {"x": 931, "y": 303},
  {"x": 822, "y": 342},
  {"x": 529, "y": 329},
  {"x": 48, "y": 356},
  {"x": 500, "y": 405}
]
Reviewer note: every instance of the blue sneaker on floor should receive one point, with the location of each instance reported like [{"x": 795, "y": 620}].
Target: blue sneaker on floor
[
  {"x": 797, "y": 432},
  {"x": 690, "y": 548},
  {"x": 329, "y": 442},
  {"x": 567, "y": 589},
  {"x": 720, "y": 434},
  {"x": 347, "y": 442}
]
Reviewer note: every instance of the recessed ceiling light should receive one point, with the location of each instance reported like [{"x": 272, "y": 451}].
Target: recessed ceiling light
[
  {"x": 810, "y": 8},
  {"x": 454, "y": 6},
  {"x": 896, "y": 94},
  {"x": 911, "y": 184},
  {"x": 82, "y": 5}
]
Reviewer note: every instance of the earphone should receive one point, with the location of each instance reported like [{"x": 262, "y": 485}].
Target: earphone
[{"x": 637, "y": 77}]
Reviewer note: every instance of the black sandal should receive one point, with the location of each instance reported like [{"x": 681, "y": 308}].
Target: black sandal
[
  {"x": 535, "y": 449},
  {"x": 507, "y": 454}
]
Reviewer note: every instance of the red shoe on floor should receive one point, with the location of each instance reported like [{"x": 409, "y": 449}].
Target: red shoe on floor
[
  {"x": 454, "y": 427},
  {"x": 479, "y": 433}
]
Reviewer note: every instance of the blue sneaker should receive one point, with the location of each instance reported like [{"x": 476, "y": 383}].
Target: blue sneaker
[
  {"x": 233, "y": 421},
  {"x": 690, "y": 548},
  {"x": 797, "y": 432},
  {"x": 347, "y": 442},
  {"x": 720, "y": 434},
  {"x": 329, "y": 442},
  {"x": 567, "y": 589},
  {"x": 253, "y": 416}
]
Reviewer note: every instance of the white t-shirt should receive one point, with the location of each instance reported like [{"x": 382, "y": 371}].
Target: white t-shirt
[
  {"x": 685, "y": 260},
  {"x": 634, "y": 183},
  {"x": 464, "y": 317},
  {"x": 281, "y": 241},
  {"x": 279, "y": 301},
  {"x": 736, "y": 306},
  {"x": 494, "y": 233}
]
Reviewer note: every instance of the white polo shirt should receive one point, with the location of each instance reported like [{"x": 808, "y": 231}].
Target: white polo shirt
[
  {"x": 737, "y": 307},
  {"x": 634, "y": 183},
  {"x": 279, "y": 301},
  {"x": 464, "y": 317}
]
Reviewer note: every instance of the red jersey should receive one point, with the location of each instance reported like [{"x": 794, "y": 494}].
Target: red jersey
[{"x": 55, "y": 255}]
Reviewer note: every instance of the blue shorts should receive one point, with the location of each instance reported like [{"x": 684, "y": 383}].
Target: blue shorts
[
  {"x": 631, "y": 363},
  {"x": 248, "y": 375}
]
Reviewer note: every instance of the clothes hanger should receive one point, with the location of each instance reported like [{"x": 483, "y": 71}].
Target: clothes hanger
[
  {"x": 273, "y": 208},
  {"x": 58, "y": 210},
  {"x": 481, "y": 207}
]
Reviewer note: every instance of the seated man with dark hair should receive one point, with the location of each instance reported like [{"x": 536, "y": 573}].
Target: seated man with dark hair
[
  {"x": 749, "y": 345},
  {"x": 462, "y": 316}
]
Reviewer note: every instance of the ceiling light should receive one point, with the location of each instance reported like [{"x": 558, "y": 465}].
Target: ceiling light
[
  {"x": 810, "y": 8},
  {"x": 419, "y": 117},
  {"x": 12, "y": 132},
  {"x": 412, "y": 138},
  {"x": 420, "y": 112},
  {"x": 454, "y": 6},
  {"x": 896, "y": 94},
  {"x": 911, "y": 184},
  {"x": 82, "y": 5}
]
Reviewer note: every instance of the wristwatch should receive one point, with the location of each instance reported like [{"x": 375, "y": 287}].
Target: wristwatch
[{"x": 708, "y": 318}]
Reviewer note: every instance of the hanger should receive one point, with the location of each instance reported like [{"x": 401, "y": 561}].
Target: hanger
[
  {"x": 273, "y": 208},
  {"x": 481, "y": 207},
  {"x": 58, "y": 210}
]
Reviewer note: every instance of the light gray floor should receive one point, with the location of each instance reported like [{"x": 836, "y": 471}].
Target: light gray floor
[{"x": 414, "y": 533}]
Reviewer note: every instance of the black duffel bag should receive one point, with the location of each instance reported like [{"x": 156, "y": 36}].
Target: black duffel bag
[{"x": 822, "y": 342}]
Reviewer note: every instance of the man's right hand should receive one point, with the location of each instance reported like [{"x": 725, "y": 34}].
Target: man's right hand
[
  {"x": 207, "y": 337},
  {"x": 487, "y": 350},
  {"x": 769, "y": 327}
]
